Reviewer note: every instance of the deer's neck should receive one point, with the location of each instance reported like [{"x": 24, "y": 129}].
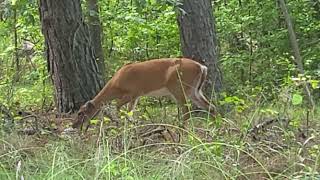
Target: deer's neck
[{"x": 104, "y": 96}]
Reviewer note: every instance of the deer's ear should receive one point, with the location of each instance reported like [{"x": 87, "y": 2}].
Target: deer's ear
[{"x": 89, "y": 105}]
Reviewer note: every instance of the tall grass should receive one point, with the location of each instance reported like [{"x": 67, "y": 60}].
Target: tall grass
[{"x": 206, "y": 151}]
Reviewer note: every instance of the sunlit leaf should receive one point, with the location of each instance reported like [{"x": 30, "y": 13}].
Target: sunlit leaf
[
  {"x": 314, "y": 84},
  {"x": 13, "y": 2},
  {"x": 130, "y": 114},
  {"x": 297, "y": 99},
  {"x": 106, "y": 119},
  {"x": 94, "y": 121}
]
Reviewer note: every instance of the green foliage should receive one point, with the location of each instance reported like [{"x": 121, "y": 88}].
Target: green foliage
[
  {"x": 260, "y": 77},
  {"x": 254, "y": 43},
  {"x": 137, "y": 31},
  {"x": 28, "y": 88}
]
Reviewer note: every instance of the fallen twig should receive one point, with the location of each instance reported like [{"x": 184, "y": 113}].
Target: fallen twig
[{"x": 264, "y": 125}]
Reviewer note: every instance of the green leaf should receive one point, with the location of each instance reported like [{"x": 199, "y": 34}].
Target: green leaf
[
  {"x": 94, "y": 121},
  {"x": 106, "y": 119},
  {"x": 13, "y": 2},
  {"x": 314, "y": 84},
  {"x": 130, "y": 114},
  {"x": 296, "y": 99},
  {"x": 17, "y": 118}
]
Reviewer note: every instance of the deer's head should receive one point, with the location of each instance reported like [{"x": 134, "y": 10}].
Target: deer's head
[{"x": 85, "y": 113}]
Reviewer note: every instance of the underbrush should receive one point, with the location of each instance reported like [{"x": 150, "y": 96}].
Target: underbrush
[{"x": 253, "y": 144}]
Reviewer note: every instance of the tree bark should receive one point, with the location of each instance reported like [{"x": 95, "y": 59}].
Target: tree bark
[
  {"x": 70, "y": 56},
  {"x": 198, "y": 39},
  {"x": 96, "y": 35}
]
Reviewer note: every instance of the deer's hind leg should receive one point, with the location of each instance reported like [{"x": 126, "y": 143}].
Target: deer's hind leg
[{"x": 197, "y": 96}]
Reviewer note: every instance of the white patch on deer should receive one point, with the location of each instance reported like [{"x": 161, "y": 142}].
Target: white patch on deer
[
  {"x": 204, "y": 70},
  {"x": 197, "y": 92},
  {"x": 159, "y": 92}
]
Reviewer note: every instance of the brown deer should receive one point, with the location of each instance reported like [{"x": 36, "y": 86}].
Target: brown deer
[{"x": 175, "y": 77}]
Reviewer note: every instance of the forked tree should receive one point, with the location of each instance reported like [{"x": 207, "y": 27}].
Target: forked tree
[{"x": 70, "y": 56}]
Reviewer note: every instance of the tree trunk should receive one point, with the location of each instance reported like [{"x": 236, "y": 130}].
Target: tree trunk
[
  {"x": 96, "y": 34},
  {"x": 70, "y": 57},
  {"x": 198, "y": 39},
  {"x": 15, "y": 38},
  {"x": 295, "y": 48}
]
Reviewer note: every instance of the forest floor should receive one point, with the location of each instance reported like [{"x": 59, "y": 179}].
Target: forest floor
[{"x": 256, "y": 144}]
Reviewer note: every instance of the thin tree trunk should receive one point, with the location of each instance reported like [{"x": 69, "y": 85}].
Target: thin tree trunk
[
  {"x": 316, "y": 6},
  {"x": 295, "y": 48},
  {"x": 70, "y": 56},
  {"x": 1, "y": 12},
  {"x": 96, "y": 34},
  {"x": 198, "y": 39},
  {"x": 15, "y": 38}
]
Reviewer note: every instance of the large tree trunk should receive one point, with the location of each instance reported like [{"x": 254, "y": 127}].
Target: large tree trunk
[
  {"x": 96, "y": 34},
  {"x": 198, "y": 39},
  {"x": 70, "y": 57}
]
